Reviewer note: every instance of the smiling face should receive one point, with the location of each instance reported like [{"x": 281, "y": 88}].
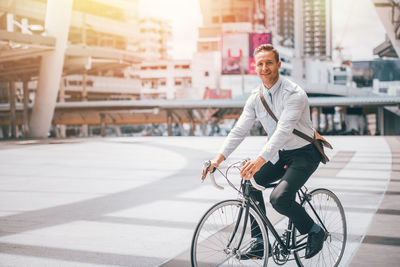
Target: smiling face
[{"x": 267, "y": 67}]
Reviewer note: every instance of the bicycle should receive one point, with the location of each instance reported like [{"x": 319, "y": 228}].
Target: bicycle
[{"x": 222, "y": 234}]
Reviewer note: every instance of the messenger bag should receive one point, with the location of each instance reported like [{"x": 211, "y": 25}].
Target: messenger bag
[{"x": 318, "y": 141}]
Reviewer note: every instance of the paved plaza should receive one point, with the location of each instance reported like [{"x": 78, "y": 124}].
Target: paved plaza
[{"x": 136, "y": 201}]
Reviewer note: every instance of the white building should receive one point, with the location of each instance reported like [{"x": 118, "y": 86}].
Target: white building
[
  {"x": 155, "y": 36},
  {"x": 165, "y": 79},
  {"x": 391, "y": 88},
  {"x": 206, "y": 72}
]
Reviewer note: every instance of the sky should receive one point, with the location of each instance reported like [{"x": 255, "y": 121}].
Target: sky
[{"x": 356, "y": 26}]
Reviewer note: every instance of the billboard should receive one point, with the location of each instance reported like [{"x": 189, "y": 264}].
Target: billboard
[
  {"x": 237, "y": 51},
  {"x": 255, "y": 40}
]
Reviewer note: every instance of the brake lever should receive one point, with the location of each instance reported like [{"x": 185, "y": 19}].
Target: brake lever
[{"x": 206, "y": 167}]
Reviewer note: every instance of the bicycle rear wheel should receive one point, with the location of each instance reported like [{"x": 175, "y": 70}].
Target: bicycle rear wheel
[
  {"x": 210, "y": 243},
  {"x": 331, "y": 213}
]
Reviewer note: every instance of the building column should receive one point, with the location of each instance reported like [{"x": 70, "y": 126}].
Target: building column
[
  {"x": 116, "y": 126},
  {"x": 57, "y": 21},
  {"x": 203, "y": 125},
  {"x": 62, "y": 129},
  {"x": 84, "y": 97},
  {"x": 13, "y": 116},
  {"x": 26, "y": 108},
  {"x": 180, "y": 123},
  {"x": 191, "y": 122},
  {"x": 380, "y": 126},
  {"x": 169, "y": 122},
  {"x": 102, "y": 124}
]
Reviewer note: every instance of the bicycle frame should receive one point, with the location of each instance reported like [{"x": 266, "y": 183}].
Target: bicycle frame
[
  {"x": 305, "y": 198},
  {"x": 284, "y": 244},
  {"x": 247, "y": 202}
]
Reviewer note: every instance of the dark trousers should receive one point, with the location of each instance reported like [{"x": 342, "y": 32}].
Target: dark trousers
[{"x": 301, "y": 163}]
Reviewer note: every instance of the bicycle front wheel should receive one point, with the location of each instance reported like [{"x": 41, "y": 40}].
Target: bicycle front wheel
[
  {"x": 217, "y": 235},
  {"x": 331, "y": 214}
]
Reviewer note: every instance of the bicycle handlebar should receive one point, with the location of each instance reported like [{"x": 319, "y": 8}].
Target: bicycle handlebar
[
  {"x": 207, "y": 165},
  {"x": 255, "y": 185},
  {"x": 220, "y": 187}
]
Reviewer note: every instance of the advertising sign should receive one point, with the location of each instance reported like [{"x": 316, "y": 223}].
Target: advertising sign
[
  {"x": 255, "y": 40},
  {"x": 235, "y": 51},
  {"x": 238, "y": 49}
]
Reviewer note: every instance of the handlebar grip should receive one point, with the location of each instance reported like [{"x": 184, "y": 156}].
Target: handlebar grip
[
  {"x": 256, "y": 186},
  {"x": 206, "y": 167},
  {"x": 214, "y": 182}
]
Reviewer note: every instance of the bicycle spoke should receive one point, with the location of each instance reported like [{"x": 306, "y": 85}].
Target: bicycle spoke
[
  {"x": 331, "y": 214},
  {"x": 216, "y": 229}
]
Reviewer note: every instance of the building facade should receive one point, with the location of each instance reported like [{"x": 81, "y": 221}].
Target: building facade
[
  {"x": 312, "y": 41},
  {"x": 317, "y": 28},
  {"x": 103, "y": 41},
  {"x": 223, "y": 16},
  {"x": 230, "y": 31},
  {"x": 155, "y": 37},
  {"x": 284, "y": 17},
  {"x": 165, "y": 79}
]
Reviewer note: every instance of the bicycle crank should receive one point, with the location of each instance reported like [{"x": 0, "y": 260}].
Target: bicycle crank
[{"x": 278, "y": 254}]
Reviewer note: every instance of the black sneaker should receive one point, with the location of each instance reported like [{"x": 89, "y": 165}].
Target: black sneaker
[
  {"x": 315, "y": 243},
  {"x": 256, "y": 252}
]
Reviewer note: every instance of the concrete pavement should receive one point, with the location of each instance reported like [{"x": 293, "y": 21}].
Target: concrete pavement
[
  {"x": 136, "y": 201},
  {"x": 380, "y": 246}
]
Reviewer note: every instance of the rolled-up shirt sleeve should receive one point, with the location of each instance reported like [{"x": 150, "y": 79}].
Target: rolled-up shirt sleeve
[
  {"x": 291, "y": 114},
  {"x": 241, "y": 128}
]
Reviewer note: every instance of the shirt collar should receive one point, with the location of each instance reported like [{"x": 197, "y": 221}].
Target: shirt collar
[{"x": 275, "y": 87}]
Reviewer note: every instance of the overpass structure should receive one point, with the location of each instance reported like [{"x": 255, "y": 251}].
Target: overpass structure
[{"x": 194, "y": 112}]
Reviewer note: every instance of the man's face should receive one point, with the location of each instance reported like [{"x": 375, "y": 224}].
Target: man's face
[{"x": 267, "y": 68}]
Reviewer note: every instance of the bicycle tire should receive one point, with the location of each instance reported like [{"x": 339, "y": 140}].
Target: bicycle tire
[
  {"x": 214, "y": 231},
  {"x": 331, "y": 212}
]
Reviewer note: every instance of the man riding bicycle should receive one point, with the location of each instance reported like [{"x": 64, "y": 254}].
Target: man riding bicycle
[{"x": 285, "y": 156}]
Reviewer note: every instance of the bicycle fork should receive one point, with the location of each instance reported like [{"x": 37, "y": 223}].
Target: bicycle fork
[{"x": 245, "y": 217}]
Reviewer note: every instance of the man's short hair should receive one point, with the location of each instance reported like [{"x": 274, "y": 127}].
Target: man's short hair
[{"x": 267, "y": 47}]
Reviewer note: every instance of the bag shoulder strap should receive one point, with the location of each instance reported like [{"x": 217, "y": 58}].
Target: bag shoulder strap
[
  {"x": 266, "y": 105},
  {"x": 296, "y": 132}
]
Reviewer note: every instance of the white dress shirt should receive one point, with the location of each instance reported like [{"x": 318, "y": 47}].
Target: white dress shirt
[{"x": 289, "y": 103}]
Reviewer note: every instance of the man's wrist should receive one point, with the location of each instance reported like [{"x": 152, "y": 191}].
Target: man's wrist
[
  {"x": 220, "y": 158},
  {"x": 261, "y": 160}
]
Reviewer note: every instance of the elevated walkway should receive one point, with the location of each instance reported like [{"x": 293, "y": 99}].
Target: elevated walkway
[{"x": 182, "y": 111}]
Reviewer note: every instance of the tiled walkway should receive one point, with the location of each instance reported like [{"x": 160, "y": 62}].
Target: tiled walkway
[{"x": 136, "y": 201}]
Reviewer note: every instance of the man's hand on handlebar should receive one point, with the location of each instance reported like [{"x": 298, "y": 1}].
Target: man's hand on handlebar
[
  {"x": 211, "y": 165},
  {"x": 251, "y": 167}
]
